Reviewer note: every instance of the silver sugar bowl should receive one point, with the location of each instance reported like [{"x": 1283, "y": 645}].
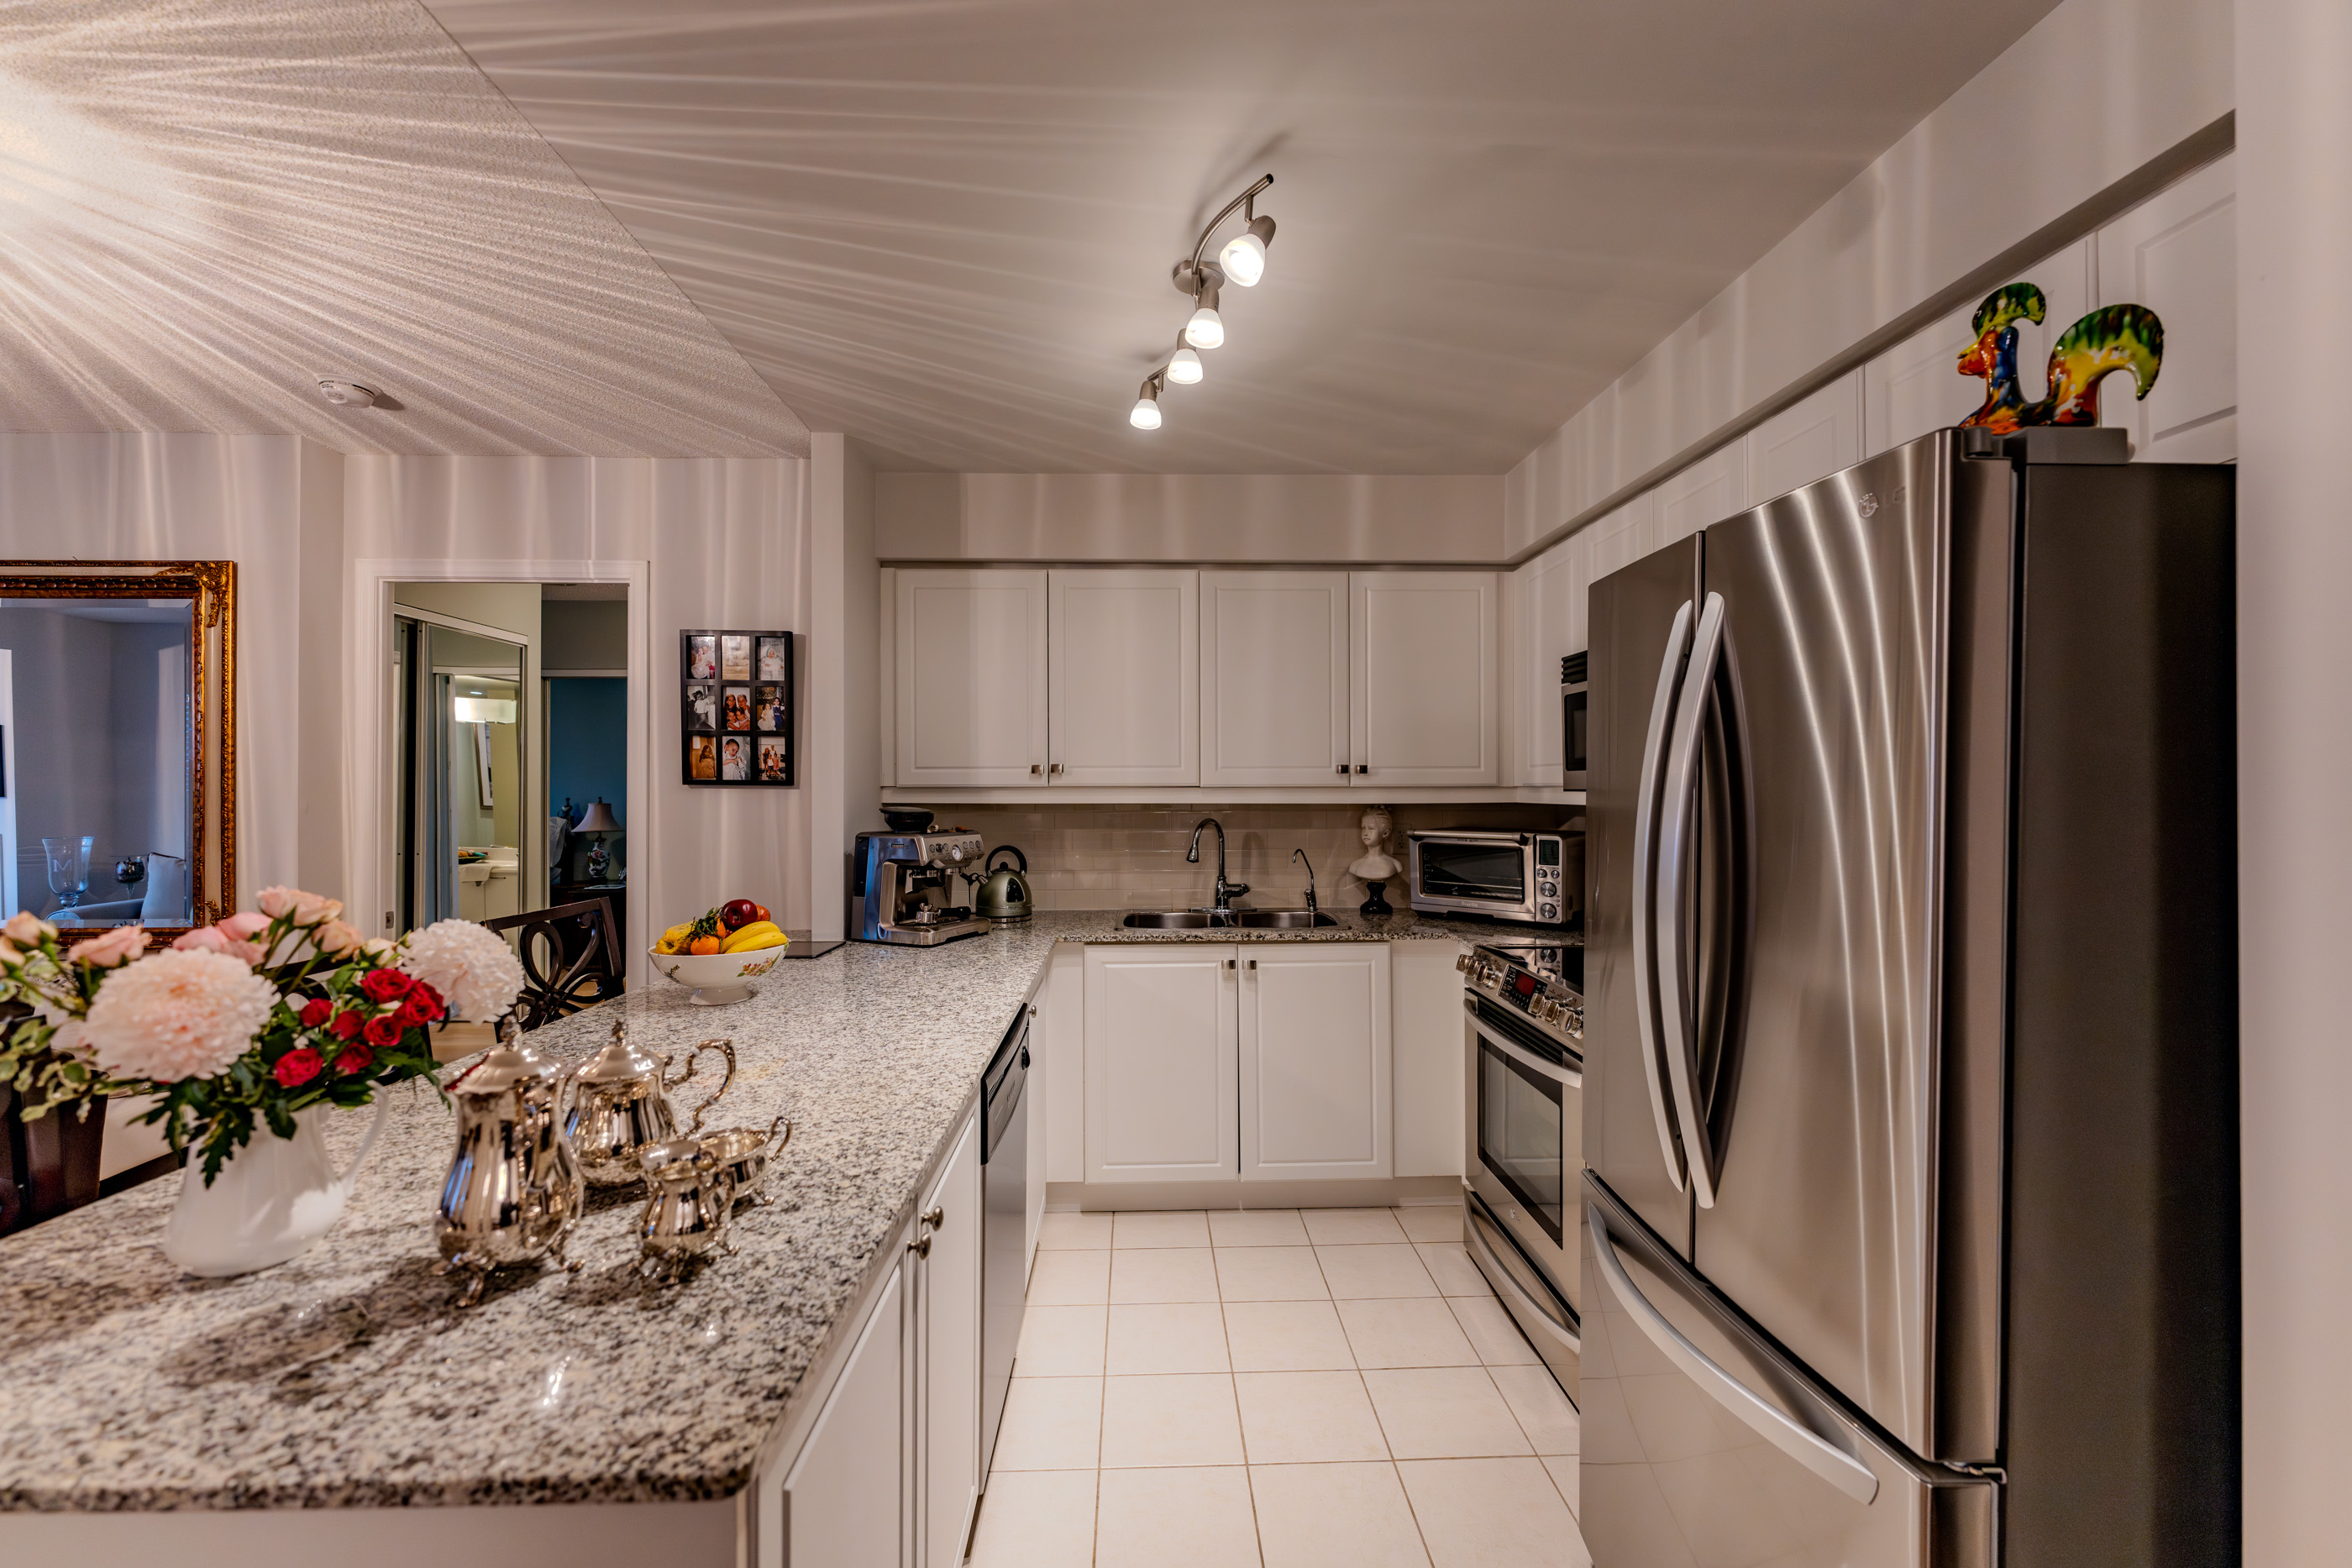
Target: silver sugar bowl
[
  {"x": 514, "y": 1190},
  {"x": 620, "y": 1101},
  {"x": 745, "y": 1153},
  {"x": 687, "y": 1201}
]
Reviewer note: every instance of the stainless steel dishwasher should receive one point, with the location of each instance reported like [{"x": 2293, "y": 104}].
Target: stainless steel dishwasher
[{"x": 1004, "y": 1224}]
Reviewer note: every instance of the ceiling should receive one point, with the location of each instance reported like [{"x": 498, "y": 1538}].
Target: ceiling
[
  {"x": 944, "y": 227},
  {"x": 207, "y": 206},
  {"x": 947, "y": 226}
]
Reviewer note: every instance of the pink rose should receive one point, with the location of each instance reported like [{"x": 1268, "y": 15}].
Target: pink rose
[
  {"x": 26, "y": 929},
  {"x": 209, "y": 939},
  {"x": 336, "y": 938},
  {"x": 304, "y": 908},
  {"x": 244, "y": 925},
  {"x": 118, "y": 946}
]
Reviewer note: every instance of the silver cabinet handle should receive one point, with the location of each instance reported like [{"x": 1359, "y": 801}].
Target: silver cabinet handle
[
  {"x": 1231, "y": 965},
  {"x": 1646, "y": 832},
  {"x": 1253, "y": 963},
  {"x": 937, "y": 1218},
  {"x": 1841, "y": 1469},
  {"x": 1055, "y": 768},
  {"x": 1034, "y": 769},
  {"x": 1571, "y": 1077},
  {"x": 1679, "y": 800},
  {"x": 1342, "y": 769},
  {"x": 1360, "y": 767},
  {"x": 920, "y": 1247}
]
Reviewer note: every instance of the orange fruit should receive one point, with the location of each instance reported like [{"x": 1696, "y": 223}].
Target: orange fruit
[{"x": 703, "y": 944}]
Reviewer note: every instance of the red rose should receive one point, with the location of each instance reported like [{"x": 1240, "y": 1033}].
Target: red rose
[
  {"x": 354, "y": 1059},
  {"x": 419, "y": 1008},
  {"x": 297, "y": 1066},
  {"x": 384, "y": 985},
  {"x": 316, "y": 1011},
  {"x": 346, "y": 1025},
  {"x": 384, "y": 1029}
]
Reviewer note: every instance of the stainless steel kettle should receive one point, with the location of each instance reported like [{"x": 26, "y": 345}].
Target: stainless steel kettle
[{"x": 1003, "y": 894}]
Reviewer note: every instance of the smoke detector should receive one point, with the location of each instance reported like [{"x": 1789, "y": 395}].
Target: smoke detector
[{"x": 346, "y": 395}]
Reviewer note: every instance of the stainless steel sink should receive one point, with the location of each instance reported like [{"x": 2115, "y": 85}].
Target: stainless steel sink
[
  {"x": 1205, "y": 920},
  {"x": 1284, "y": 919},
  {"x": 1172, "y": 920}
]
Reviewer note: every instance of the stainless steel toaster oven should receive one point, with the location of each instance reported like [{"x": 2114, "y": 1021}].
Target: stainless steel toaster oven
[{"x": 1537, "y": 878}]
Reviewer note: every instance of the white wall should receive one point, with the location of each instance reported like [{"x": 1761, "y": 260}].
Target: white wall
[
  {"x": 842, "y": 760},
  {"x": 2294, "y": 755},
  {"x": 2101, "y": 101},
  {"x": 1237, "y": 518}
]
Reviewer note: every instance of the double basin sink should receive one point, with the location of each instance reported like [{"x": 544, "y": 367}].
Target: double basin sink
[{"x": 1205, "y": 920}]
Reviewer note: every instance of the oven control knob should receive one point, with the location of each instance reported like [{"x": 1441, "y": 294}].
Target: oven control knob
[
  {"x": 1551, "y": 911},
  {"x": 1463, "y": 963}
]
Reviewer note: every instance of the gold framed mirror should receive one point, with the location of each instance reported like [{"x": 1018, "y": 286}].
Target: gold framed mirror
[{"x": 117, "y": 742}]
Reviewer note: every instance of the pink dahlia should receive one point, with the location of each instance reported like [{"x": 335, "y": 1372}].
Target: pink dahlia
[{"x": 184, "y": 1013}]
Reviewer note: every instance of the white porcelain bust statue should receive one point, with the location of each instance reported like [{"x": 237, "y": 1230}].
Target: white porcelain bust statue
[{"x": 1378, "y": 864}]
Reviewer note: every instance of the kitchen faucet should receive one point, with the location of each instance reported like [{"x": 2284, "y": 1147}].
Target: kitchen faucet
[
  {"x": 1300, "y": 856},
  {"x": 1223, "y": 903}
]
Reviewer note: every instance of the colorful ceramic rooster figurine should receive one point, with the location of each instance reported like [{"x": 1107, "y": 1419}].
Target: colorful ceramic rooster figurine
[{"x": 2114, "y": 338}]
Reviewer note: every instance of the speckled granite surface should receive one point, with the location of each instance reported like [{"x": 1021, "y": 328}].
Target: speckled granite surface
[{"x": 344, "y": 1378}]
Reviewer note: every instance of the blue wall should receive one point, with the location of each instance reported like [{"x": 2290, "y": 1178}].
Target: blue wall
[{"x": 588, "y": 744}]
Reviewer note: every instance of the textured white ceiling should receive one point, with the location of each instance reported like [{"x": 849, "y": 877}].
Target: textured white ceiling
[
  {"x": 946, "y": 225},
  {"x": 205, "y": 206}
]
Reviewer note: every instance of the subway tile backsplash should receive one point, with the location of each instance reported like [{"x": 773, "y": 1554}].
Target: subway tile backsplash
[{"x": 1132, "y": 857}]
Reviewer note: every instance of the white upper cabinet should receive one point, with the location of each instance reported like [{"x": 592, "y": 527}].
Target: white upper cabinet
[
  {"x": 1274, "y": 677},
  {"x": 2176, "y": 254},
  {"x": 1707, "y": 492},
  {"x": 1917, "y": 386},
  {"x": 1125, "y": 661},
  {"x": 971, "y": 677},
  {"x": 1423, "y": 694},
  {"x": 1315, "y": 1062},
  {"x": 1550, "y": 627},
  {"x": 1617, "y": 542},
  {"x": 1809, "y": 440}
]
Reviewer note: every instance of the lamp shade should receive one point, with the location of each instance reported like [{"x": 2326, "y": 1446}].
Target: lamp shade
[{"x": 599, "y": 820}]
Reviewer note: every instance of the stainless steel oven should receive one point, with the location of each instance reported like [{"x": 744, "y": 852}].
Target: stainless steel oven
[
  {"x": 1523, "y": 1035},
  {"x": 1572, "y": 721},
  {"x": 1537, "y": 878}
]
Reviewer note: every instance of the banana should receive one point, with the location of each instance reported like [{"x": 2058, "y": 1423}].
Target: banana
[{"x": 757, "y": 935}]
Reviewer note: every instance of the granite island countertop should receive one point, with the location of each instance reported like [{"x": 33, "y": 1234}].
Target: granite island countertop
[{"x": 345, "y": 1377}]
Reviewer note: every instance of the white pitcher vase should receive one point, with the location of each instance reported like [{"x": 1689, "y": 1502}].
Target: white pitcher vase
[{"x": 271, "y": 1200}]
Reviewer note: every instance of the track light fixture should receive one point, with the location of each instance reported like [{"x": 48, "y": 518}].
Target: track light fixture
[{"x": 1242, "y": 262}]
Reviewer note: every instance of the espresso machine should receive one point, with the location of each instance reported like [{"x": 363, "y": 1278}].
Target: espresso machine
[{"x": 903, "y": 888}]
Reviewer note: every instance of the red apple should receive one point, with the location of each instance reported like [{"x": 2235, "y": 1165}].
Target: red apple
[{"x": 738, "y": 912}]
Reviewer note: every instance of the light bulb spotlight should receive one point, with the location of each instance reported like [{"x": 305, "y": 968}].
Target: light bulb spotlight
[
  {"x": 1184, "y": 368},
  {"x": 1244, "y": 258},
  {"x": 1145, "y": 414},
  {"x": 1206, "y": 329}
]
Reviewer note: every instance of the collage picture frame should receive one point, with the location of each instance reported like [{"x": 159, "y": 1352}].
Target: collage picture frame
[{"x": 735, "y": 709}]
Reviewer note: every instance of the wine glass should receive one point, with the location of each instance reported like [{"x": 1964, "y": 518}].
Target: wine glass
[{"x": 68, "y": 868}]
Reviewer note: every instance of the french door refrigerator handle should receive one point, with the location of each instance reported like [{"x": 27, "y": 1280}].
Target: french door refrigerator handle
[
  {"x": 1645, "y": 910},
  {"x": 1679, "y": 800},
  {"x": 1841, "y": 1469},
  {"x": 1570, "y": 1077}
]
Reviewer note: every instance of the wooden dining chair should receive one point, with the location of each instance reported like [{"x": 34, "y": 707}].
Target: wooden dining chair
[{"x": 571, "y": 958}]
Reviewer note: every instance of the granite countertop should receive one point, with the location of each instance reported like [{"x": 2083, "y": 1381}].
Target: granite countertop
[{"x": 345, "y": 1379}]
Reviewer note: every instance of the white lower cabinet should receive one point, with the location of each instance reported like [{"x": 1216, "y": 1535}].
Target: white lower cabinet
[
  {"x": 1162, "y": 1046},
  {"x": 1265, "y": 1061},
  {"x": 1315, "y": 1061},
  {"x": 948, "y": 1352},
  {"x": 844, "y": 1503},
  {"x": 889, "y": 1472}
]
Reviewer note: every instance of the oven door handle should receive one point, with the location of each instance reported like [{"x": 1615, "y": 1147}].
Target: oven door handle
[
  {"x": 1476, "y": 1231},
  {"x": 1833, "y": 1464},
  {"x": 1570, "y": 1077},
  {"x": 1645, "y": 891}
]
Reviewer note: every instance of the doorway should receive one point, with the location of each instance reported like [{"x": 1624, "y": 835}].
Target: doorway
[{"x": 464, "y": 769}]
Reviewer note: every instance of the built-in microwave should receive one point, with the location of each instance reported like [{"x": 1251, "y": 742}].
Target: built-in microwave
[
  {"x": 1572, "y": 721},
  {"x": 1537, "y": 878}
]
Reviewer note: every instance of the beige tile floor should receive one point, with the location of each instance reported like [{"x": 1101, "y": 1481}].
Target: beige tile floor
[{"x": 1289, "y": 1388}]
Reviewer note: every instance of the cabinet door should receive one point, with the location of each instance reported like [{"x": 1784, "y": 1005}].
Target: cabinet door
[
  {"x": 1810, "y": 441},
  {"x": 1161, "y": 1076},
  {"x": 1274, "y": 677},
  {"x": 1551, "y": 620},
  {"x": 1315, "y": 1062},
  {"x": 949, "y": 1370},
  {"x": 1124, "y": 654},
  {"x": 1423, "y": 685},
  {"x": 1708, "y": 491},
  {"x": 1039, "y": 1094},
  {"x": 843, "y": 1502},
  {"x": 972, "y": 677},
  {"x": 2177, "y": 253}
]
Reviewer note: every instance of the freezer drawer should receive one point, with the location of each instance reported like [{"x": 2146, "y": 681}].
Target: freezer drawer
[{"x": 1706, "y": 1445}]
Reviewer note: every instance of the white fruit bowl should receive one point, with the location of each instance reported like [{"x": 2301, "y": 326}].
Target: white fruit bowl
[{"x": 717, "y": 978}]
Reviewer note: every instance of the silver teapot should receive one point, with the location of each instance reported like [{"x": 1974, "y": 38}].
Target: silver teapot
[
  {"x": 620, "y": 1101},
  {"x": 514, "y": 1190},
  {"x": 689, "y": 1198}
]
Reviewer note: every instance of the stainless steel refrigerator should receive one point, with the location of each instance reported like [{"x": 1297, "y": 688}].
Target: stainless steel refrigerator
[{"x": 1910, "y": 1105}]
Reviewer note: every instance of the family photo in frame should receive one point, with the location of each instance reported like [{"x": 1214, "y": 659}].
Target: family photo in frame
[{"x": 735, "y": 708}]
